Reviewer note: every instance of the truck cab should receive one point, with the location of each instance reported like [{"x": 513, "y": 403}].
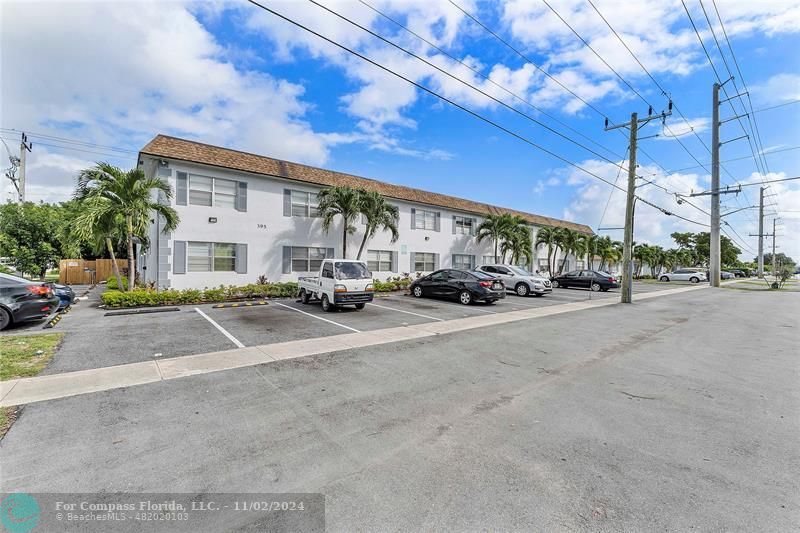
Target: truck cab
[{"x": 340, "y": 282}]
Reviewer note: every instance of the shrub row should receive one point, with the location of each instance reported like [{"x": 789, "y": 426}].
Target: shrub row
[
  {"x": 111, "y": 283},
  {"x": 145, "y": 297}
]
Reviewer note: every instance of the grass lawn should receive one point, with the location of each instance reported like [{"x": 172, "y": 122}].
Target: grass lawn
[
  {"x": 26, "y": 355},
  {"x": 23, "y": 356},
  {"x": 51, "y": 276}
]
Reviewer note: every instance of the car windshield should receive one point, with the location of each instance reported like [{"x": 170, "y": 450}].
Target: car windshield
[
  {"x": 520, "y": 271},
  {"x": 347, "y": 270}
]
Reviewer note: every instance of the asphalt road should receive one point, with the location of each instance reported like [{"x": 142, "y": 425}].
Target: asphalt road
[{"x": 674, "y": 413}]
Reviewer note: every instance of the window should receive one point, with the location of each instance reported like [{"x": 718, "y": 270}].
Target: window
[
  {"x": 489, "y": 269},
  {"x": 424, "y": 262},
  {"x": 211, "y": 257},
  {"x": 304, "y": 204},
  {"x": 307, "y": 259},
  {"x": 212, "y": 191},
  {"x": 379, "y": 260},
  {"x": 200, "y": 190},
  {"x": 348, "y": 270},
  {"x": 580, "y": 264},
  {"x": 455, "y": 274},
  {"x": 463, "y": 225},
  {"x": 543, "y": 266},
  {"x": 488, "y": 260},
  {"x": 463, "y": 261},
  {"x": 425, "y": 220}
]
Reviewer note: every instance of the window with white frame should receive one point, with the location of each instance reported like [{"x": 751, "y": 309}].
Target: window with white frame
[
  {"x": 379, "y": 260},
  {"x": 216, "y": 192},
  {"x": 211, "y": 257},
  {"x": 580, "y": 265},
  {"x": 425, "y": 220},
  {"x": 304, "y": 204},
  {"x": 464, "y": 225},
  {"x": 463, "y": 261},
  {"x": 424, "y": 262},
  {"x": 542, "y": 265},
  {"x": 488, "y": 260},
  {"x": 306, "y": 259}
]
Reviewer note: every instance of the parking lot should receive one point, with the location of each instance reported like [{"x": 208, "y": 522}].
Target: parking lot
[{"x": 96, "y": 340}]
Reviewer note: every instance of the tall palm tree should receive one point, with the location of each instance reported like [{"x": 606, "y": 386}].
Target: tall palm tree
[
  {"x": 380, "y": 215},
  {"x": 568, "y": 242},
  {"x": 341, "y": 201},
  {"x": 494, "y": 227},
  {"x": 591, "y": 244},
  {"x": 103, "y": 227},
  {"x": 129, "y": 195},
  {"x": 518, "y": 243},
  {"x": 547, "y": 236}
]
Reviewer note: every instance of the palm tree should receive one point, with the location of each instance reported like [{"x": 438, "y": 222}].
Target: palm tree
[
  {"x": 568, "y": 242},
  {"x": 494, "y": 227},
  {"x": 380, "y": 215},
  {"x": 114, "y": 193},
  {"x": 343, "y": 201},
  {"x": 590, "y": 243},
  {"x": 518, "y": 242},
  {"x": 547, "y": 236},
  {"x": 103, "y": 227}
]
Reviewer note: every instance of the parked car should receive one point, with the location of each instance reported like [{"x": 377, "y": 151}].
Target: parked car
[
  {"x": 684, "y": 274},
  {"x": 726, "y": 275},
  {"x": 518, "y": 280},
  {"x": 587, "y": 279},
  {"x": 462, "y": 285},
  {"x": 738, "y": 273},
  {"x": 340, "y": 282},
  {"x": 22, "y": 299},
  {"x": 66, "y": 296}
]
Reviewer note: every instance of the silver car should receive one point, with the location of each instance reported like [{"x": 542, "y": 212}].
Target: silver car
[
  {"x": 684, "y": 274},
  {"x": 519, "y": 280}
]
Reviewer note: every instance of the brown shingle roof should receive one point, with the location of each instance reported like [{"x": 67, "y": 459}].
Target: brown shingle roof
[{"x": 195, "y": 152}]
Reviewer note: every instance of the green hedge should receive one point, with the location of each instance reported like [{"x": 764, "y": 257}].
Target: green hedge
[
  {"x": 145, "y": 297},
  {"x": 392, "y": 284},
  {"x": 111, "y": 283}
]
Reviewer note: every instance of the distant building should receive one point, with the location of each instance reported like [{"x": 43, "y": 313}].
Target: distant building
[{"x": 245, "y": 215}]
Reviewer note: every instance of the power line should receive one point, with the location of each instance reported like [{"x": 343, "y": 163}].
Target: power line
[
  {"x": 71, "y": 148},
  {"x": 456, "y": 78},
  {"x": 726, "y": 161},
  {"x": 767, "y": 181},
  {"x": 71, "y": 141},
  {"x": 776, "y": 106},
  {"x": 461, "y": 107}
]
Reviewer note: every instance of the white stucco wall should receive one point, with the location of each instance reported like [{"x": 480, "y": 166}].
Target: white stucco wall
[{"x": 265, "y": 230}]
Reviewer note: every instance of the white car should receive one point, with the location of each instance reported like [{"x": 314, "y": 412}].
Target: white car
[
  {"x": 684, "y": 274},
  {"x": 519, "y": 280}
]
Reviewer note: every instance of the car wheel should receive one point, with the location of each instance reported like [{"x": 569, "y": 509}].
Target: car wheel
[
  {"x": 555, "y": 284},
  {"x": 5, "y": 319},
  {"x": 326, "y": 304},
  {"x": 664, "y": 278},
  {"x": 360, "y": 306},
  {"x": 694, "y": 279},
  {"x": 521, "y": 289},
  {"x": 465, "y": 297},
  {"x": 595, "y": 287},
  {"x": 417, "y": 292},
  {"x": 305, "y": 296}
]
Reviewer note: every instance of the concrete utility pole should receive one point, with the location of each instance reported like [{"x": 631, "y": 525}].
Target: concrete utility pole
[
  {"x": 24, "y": 146},
  {"x": 714, "y": 253},
  {"x": 774, "y": 272},
  {"x": 760, "y": 272},
  {"x": 626, "y": 295}
]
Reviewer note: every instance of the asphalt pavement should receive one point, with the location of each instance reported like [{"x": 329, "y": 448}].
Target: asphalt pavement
[{"x": 674, "y": 413}]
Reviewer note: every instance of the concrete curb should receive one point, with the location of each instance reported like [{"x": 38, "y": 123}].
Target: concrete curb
[{"x": 51, "y": 387}]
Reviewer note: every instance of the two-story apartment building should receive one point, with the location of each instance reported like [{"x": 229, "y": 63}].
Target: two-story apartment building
[{"x": 245, "y": 215}]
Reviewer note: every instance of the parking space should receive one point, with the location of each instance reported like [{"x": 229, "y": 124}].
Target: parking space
[{"x": 95, "y": 340}]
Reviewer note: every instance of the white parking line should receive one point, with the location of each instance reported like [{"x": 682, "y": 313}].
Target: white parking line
[
  {"x": 407, "y": 312},
  {"x": 317, "y": 317},
  {"x": 233, "y": 339}
]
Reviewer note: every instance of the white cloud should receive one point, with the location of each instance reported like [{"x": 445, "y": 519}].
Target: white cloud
[{"x": 779, "y": 88}]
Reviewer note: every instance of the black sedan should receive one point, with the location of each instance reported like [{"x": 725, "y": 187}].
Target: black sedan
[
  {"x": 22, "y": 299},
  {"x": 586, "y": 279},
  {"x": 462, "y": 285}
]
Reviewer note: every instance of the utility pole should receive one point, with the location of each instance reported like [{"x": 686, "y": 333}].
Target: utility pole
[
  {"x": 626, "y": 295},
  {"x": 714, "y": 253},
  {"x": 24, "y": 146},
  {"x": 760, "y": 272},
  {"x": 774, "y": 272}
]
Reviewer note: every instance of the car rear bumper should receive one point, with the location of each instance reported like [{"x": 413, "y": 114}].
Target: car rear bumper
[
  {"x": 489, "y": 294},
  {"x": 34, "y": 309},
  {"x": 352, "y": 297}
]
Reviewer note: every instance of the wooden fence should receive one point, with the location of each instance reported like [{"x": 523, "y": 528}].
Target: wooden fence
[{"x": 82, "y": 272}]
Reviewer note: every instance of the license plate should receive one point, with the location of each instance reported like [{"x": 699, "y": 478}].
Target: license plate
[{"x": 497, "y": 286}]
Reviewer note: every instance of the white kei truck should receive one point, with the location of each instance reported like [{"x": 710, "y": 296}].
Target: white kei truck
[{"x": 340, "y": 282}]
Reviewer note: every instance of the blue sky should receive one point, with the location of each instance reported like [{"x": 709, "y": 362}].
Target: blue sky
[{"x": 229, "y": 73}]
